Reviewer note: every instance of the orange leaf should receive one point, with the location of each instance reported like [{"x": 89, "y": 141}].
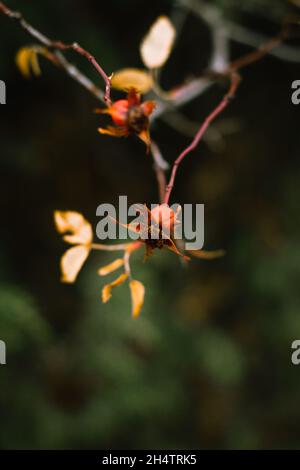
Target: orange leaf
[
  {"x": 111, "y": 267},
  {"x": 72, "y": 262},
  {"x": 145, "y": 137},
  {"x": 27, "y": 62},
  {"x": 137, "y": 297},
  {"x": 113, "y": 131},
  {"x": 73, "y": 222},
  {"x": 106, "y": 291}
]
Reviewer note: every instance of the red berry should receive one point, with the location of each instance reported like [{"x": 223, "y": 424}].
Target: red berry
[{"x": 119, "y": 112}]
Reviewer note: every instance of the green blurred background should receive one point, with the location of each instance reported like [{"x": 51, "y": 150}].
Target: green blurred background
[{"x": 208, "y": 364}]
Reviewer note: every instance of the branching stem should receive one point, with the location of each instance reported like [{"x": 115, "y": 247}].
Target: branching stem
[
  {"x": 234, "y": 82},
  {"x": 57, "y": 47}
]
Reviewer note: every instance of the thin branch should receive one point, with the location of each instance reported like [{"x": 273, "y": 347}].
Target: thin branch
[
  {"x": 258, "y": 53},
  {"x": 221, "y": 31},
  {"x": 158, "y": 157},
  {"x": 98, "y": 246},
  {"x": 77, "y": 48},
  {"x": 79, "y": 77},
  {"x": 219, "y": 62},
  {"x": 237, "y": 32},
  {"x": 161, "y": 182},
  {"x": 235, "y": 80},
  {"x": 160, "y": 166},
  {"x": 57, "y": 47},
  {"x": 234, "y": 83},
  {"x": 182, "y": 95},
  {"x": 179, "y": 96},
  {"x": 127, "y": 268},
  {"x": 250, "y": 38}
]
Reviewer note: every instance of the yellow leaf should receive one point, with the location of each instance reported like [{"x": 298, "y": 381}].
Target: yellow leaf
[
  {"x": 35, "y": 66},
  {"x": 207, "y": 254},
  {"x": 106, "y": 291},
  {"x": 27, "y": 61},
  {"x": 72, "y": 262},
  {"x": 73, "y": 222},
  {"x": 137, "y": 297},
  {"x": 111, "y": 267},
  {"x": 138, "y": 79},
  {"x": 157, "y": 45}
]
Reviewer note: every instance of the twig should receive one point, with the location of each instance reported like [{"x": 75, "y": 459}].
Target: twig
[
  {"x": 57, "y": 47},
  {"x": 237, "y": 32},
  {"x": 258, "y": 53},
  {"x": 182, "y": 95},
  {"x": 219, "y": 62},
  {"x": 79, "y": 77},
  {"x": 250, "y": 38},
  {"x": 160, "y": 166},
  {"x": 158, "y": 157},
  {"x": 222, "y": 31},
  {"x": 161, "y": 182},
  {"x": 234, "y": 82},
  {"x": 98, "y": 246},
  {"x": 126, "y": 258},
  {"x": 77, "y": 48}
]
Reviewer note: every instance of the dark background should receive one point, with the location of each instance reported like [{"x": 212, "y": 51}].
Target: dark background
[{"x": 208, "y": 364}]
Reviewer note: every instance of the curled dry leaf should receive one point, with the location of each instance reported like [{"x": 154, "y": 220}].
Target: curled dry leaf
[
  {"x": 157, "y": 45},
  {"x": 72, "y": 262},
  {"x": 27, "y": 62},
  {"x": 127, "y": 79},
  {"x": 111, "y": 267},
  {"x": 137, "y": 297},
  {"x": 73, "y": 222},
  {"x": 106, "y": 291}
]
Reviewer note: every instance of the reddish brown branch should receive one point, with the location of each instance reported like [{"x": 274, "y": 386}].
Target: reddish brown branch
[
  {"x": 235, "y": 80},
  {"x": 161, "y": 182},
  {"x": 77, "y": 48},
  {"x": 258, "y": 53},
  {"x": 57, "y": 47},
  {"x": 160, "y": 167}
]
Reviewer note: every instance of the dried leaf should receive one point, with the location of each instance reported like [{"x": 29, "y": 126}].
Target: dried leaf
[
  {"x": 27, "y": 62},
  {"x": 126, "y": 79},
  {"x": 111, "y": 267},
  {"x": 73, "y": 222},
  {"x": 72, "y": 262},
  {"x": 157, "y": 45},
  {"x": 106, "y": 291},
  {"x": 137, "y": 297}
]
